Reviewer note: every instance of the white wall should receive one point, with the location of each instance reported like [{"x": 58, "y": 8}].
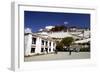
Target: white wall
[
  {"x": 69, "y": 34},
  {"x": 5, "y": 40},
  {"x": 28, "y": 44},
  {"x": 38, "y": 45}
]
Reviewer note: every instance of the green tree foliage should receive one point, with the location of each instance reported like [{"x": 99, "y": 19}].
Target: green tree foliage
[
  {"x": 59, "y": 46},
  {"x": 67, "y": 41}
]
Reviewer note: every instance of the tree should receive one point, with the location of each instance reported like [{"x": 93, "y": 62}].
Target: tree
[
  {"x": 67, "y": 41},
  {"x": 59, "y": 46}
]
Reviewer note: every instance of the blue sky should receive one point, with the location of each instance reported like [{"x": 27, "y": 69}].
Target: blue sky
[{"x": 37, "y": 20}]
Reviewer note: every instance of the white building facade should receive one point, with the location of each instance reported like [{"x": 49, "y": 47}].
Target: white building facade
[{"x": 38, "y": 44}]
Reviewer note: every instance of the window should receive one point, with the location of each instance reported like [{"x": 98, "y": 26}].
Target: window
[
  {"x": 42, "y": 49},
  {"x": 49, "y": 49},
  {"x": 53, "y": 44},
  {"x": 46, "y": 43},
  {"x": 42, "y": 42},
  {"x": 32, "y": 50},
  {"x": 33, "y": 40},
  {"x": 50, "y": 43},
  {"x": 46, "y": 50}
]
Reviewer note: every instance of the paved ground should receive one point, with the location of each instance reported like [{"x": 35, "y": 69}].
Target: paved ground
[{"x": 59, "y": 56}]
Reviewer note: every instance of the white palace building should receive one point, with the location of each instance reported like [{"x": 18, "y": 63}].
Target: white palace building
[
  {"x": 38, "y": 43},
  {"x": 45, "y": 42}
]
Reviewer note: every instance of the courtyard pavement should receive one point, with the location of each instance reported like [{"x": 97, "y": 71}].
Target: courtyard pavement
[{"x": 59, "y": 56}]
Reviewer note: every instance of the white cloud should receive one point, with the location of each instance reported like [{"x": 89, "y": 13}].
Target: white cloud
[
  {"x": 40, "y": 29},
  {"x": 65, "y": 22},
  {"x": 28, "y": 30}
]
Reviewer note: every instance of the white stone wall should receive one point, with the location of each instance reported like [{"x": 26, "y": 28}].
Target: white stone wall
[
  {"x": 52, "y": 46},
  {"x": 48, "y": 45},
  {"x": 28, "y": 43},
  {"x": 38, "y": 45},
  {"x": 70, "y": 34}
]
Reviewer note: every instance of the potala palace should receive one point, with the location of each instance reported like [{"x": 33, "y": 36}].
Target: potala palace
[{"x": 45, "y": 42}]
